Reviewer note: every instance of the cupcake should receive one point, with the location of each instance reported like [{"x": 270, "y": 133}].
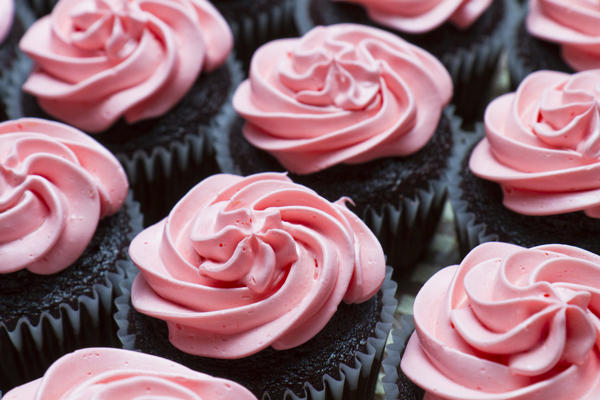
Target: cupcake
[
  {"x": 113, "y": 373},
  {"x": 558, "y": 35},
  {"x": 466, "y": 35},
  {"x": 508, "y": 323},
  {"x": 255, "y": 22},
  {"x": 67, "y": 221},
  {"x": 245, "y": 280},
  {"x": 150, "y": 81},
  {"x": 354, "y": 111},
  {"x": 533, "y": 179}
]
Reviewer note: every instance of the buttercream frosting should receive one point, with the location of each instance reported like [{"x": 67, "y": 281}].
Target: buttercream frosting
[
  {"x": 7, "y": 14},
  {"x": 341, "y": 94},
  {"x": 509, "y": 323},
  {"x": 98, "y": 60},
  {"x": 55, "y": 184},
  {"x": 241, "y": 264},
  {"x": 574, "y": 24},
  {"x": 421, "y": 16},
  {"x": 543, "y": 144},
  {"x": 105, "y": 373}
]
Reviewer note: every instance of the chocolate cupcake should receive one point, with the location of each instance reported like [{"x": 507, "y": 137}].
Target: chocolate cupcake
[
  {"x": 501, "y": 326},
  {"x": 275, "y": 262},
  {"x": 532, "y": 180},
  {"x": 467, "y": 36},
  {"x": 152, "y": 91},
  {"x": 363, "y": 121},
  {"x": 61, "y": 267}
]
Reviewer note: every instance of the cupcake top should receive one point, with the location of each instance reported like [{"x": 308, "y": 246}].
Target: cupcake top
[
  {"x": 105, "y": 373},
  {"x": 98, "y": 60},
  {"x": 55, "y": 184},
  {"x": 509, "y": 323},
  {"x": 543, "y": 144},
  {"x": 7, "y": 14},
  {"x": 420, "y": 16},
  {"x": 241, "y": 264},
  {"x": 341, "y": 94},
  {"x": 574, "y": 24}
]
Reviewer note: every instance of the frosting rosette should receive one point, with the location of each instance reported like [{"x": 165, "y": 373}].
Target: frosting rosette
[
  {"x": 341, "y": 94},
  {"x": 55, "y": 184},
  {"x": 421, "y": 16},
  {"x": 543, "y": 144},
  {"x": 509, "y": 323},
  {"x": 241, "y": 264},
  {"x": 98, "y": 60},
  {"x": 105, "y": 373},
  {"x": 574, "y": 24},
  {"x": 7, "y": 14}
]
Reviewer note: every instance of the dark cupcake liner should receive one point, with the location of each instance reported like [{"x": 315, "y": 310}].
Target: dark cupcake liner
[
  {"x": 472, "y": 68},
  {"x": 250, "y": 31},
  {"x": 540, "y": 54},
  {"x": 40, "y": 7},
  {"x": 469, "y": 231},
  {"x": 31, "y": 347},
  {"x": 395, "y": 384},
  {"x": 159, "y": 178},
  {"x": 356, "y": 382}
]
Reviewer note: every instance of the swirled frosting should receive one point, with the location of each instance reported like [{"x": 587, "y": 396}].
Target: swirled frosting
[
  {"x": 55, "y": 184},
  {"x": 341, "y": 94},
  {"x": 421, "y": 16},
  {"x": 7, "y": 14},
  {"x": 509, "y": 323},
  {"x": 574, "y": 24},
  {"x": 98, "y": 60},
  {"x": 241, "y": 264},
  {"x": 543, "y": 144},
  {"x": 105, "y": 373}
]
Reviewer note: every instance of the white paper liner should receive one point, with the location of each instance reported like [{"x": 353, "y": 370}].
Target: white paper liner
[
  {"x": 356, "y": 383},
  {"x": 469, "y": 232},
  {"x": 394, "y": 355},
  {"x": 32, "y": 348},
  {"x": 471, "y": 68}
]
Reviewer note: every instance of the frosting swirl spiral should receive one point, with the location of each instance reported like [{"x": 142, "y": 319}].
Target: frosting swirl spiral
[
  {"x": 105, "y": 373},
  {"x": 575, "y": 25},
  {"x": 241, "y": 264},
  {"x": 543, "y": 144},
  {"x": 509, "y": 323},
  {"x": 55, "y": 184},
  {"x": 98, "y": 60},
  {"x": 420, "y": 16},
  {"x": 7, "y": 14},
  {"x": 341, "y": 94}
]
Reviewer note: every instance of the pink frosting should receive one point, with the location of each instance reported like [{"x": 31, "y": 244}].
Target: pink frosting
[
  {"x": 574, "y": 24},
  {"x": 509, "y": 323},
  {"x": 104, "y": 373},
  {"x": 55, "y": 184},
  {"x": 241, "y": 264},
  {"x": 98, "y": 60},
  {"x": 421, "y": 16},
  {"x": 543, "y": 144},
  {"x": 341, "y": 94},
  {"x": 7, "y": 14}
]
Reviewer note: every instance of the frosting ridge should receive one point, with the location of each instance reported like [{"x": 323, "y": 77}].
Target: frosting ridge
[
  {"x": 98, "y": 60},
  {"x": 115, "y": 373},
  {"x": 7, "y": 14},
  {"x": 55, "y": 184},
  {"x": 573, "y": 25},
  {"x": 420, "y": 16},
  {"x": 241, "y": 264},
  {"x": 341, "y": 94},
  {"x": 509, "y": 323},
  {"x": 543, "y": 144}
]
